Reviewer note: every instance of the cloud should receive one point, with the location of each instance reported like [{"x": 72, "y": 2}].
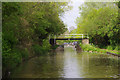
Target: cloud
[{"x": 70, "y": 16}]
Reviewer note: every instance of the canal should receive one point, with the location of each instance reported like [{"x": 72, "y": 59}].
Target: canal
[{"x": 69, "y": 64}]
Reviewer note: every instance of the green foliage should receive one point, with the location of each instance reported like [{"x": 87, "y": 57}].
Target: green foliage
[
  {"x": 23, "y": 52},
  {"x": 46, "y": 45},
  {"x": 37, "y": 49},
  {"x": 10, "y": 58},
  {"x": 55, "y": 46},
  {"x": 117, "y": 48},
  {"x": 109, "y": 47},
  {"x": 27, "y": 24},
  {"x": 101, "y": 22},
  {"x": 93, "y": 48},
  {"x": 41, "y": 50}
]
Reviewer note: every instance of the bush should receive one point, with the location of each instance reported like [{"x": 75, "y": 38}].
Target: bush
[
  {"x": 109, "y": 47},
  {"x": 10, "y": 60},
  {"x": 91, "y": 48},
  {"x": 88, "y": 47},
  {"x": 117, "y": 48},
  {"x": 55, "y": 46},
  {"x": 24, "y": 53},
  {"x": 37, "y": 49},
  {"x": 46, "y": 45},
  {"x": 118, "y": 52},
  {"x": 41, "y": 50}
]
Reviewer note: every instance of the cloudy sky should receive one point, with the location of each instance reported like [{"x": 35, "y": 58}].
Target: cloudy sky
[{"x": 70, "y": 16}]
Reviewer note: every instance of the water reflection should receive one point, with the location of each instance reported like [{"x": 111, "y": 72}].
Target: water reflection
[
  {"x": 69, "y": 64},
  {"x": 71, "y": 68}
]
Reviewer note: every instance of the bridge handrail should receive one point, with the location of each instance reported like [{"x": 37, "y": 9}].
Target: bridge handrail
[
  {"x": 71, "y": 35},
  {"x": 75, "y": 34}
]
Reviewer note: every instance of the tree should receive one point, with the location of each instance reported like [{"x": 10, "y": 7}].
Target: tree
[
  {"x": 99, "y": 20},
  {"x": 26, "y": 27}
]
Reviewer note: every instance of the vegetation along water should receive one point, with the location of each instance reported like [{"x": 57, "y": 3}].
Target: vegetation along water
[{"x": 26, "y": 48}]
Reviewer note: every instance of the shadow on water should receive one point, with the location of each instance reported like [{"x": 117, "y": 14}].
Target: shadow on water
[{"x": 69, "y": 64}]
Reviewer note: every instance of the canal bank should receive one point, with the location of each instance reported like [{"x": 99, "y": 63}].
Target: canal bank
[
  {"x": 69, "y": 64},
  {"x": 92, "y": 48}
]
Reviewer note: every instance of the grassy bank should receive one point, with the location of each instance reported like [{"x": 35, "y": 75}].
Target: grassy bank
[{"x": 92, "y": 48}]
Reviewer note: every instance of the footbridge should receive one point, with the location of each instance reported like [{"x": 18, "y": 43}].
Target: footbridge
[{"x": 83, "y": 37}]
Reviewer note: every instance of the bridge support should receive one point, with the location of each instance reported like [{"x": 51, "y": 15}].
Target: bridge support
[
  {"x": 52, "y": 42},
  {"x": 85, "y": 41}
]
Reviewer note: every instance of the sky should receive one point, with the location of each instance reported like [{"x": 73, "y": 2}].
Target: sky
[{"x": 70, "y": 16}]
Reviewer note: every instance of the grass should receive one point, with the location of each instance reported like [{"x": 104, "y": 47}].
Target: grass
[{"x": 88, "y": 47}]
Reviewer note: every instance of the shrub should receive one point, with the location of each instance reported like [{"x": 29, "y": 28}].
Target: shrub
[
  {"x": 10, "y": 60},
  {"x": 55, "y": 46},
  {"x": 24, "y": 53},
  {"x": 118, "y": 52},
  {"x": 46, "y": 45},
  {"x": 10, "y": 57},
  {"x": 37, "y": 49},
  {"x": 109, "y": 47},
  {"x": 117, "y": 48},
  {"x": 91, "y": 48},
  {"x": 41, "y": 49}
]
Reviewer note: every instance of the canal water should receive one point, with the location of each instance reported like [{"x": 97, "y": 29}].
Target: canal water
[{"x": 69, "y": 64}]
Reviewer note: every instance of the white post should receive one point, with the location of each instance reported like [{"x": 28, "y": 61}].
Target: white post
[{"x": 82, "y": 36}]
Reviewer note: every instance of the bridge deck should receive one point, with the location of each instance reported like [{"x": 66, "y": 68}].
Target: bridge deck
[{"x": 69, "y": 38}]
